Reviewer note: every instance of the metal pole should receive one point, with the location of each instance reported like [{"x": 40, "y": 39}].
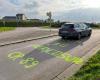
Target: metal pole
[
  {"x": 4, "y": 23},
  {"x": 49, "y": 15},
  {"x": 17, "y": 22},
  {"x": 50, "y": 24}
]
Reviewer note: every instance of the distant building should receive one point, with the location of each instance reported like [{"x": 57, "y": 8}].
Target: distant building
[
  {"x": 18, "y": 17},
  {"x": 21, "y": 17},
  {"x": 9, "y": 18}
]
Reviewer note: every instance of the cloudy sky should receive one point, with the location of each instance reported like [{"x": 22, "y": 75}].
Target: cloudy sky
[{"x": 66, "y": 10}]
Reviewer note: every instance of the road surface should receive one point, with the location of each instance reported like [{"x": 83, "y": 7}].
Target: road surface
[
  {"x": 48, "y": 66},
  {"x": 24, "y": 33}
]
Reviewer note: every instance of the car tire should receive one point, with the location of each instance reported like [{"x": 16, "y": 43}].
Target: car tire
[
  {"x": 89, "y": 34},
  {"x": 63, "y": 37},
  {"x": 78, "y": 36}
]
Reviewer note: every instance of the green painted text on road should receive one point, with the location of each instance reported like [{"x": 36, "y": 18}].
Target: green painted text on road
[
  {"x": 59, "y": 54},
  {"x": 27, "y": 62}
]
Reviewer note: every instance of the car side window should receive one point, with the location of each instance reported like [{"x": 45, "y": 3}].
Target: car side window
[
  {"x": 76, "y": 26},
  {"x": 85, "y": 26},
  {"x": 81, "y": 26}
]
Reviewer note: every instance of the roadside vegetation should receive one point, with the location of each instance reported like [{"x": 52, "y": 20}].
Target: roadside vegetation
[
  {"x": 94, "y": 25},
  {"x": 41, "y": 23},
  {"x": 89, "y": 71},
  {"x": 47, "y": 27},
  {"x": 2, "y": 29}
]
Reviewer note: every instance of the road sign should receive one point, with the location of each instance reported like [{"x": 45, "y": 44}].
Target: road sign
[{"x": 49, "y": 14}]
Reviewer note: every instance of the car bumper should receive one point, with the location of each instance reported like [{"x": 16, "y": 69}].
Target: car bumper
[{"x": 74, "y": 34}]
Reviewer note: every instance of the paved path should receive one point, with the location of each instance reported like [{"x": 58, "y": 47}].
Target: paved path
[{"x": 49, "y": 67}]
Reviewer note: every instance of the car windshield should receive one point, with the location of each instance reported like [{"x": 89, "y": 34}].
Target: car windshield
[{"x": 68, "y": 26}]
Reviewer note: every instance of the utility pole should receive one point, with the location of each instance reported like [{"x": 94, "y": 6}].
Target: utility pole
[
  {"x": 49, "y": 14},
  {"x": 4, "y": 23},
  {"x": 17, "y": 22}
]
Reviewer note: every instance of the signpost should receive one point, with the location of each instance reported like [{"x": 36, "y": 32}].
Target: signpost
[{"x": 49, "y": 15}]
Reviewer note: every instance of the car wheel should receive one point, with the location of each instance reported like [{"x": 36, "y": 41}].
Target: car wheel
[
  {"x": 89, "y": 34},
  {"x": 79, "y": 36},
  {"x": 63, "y": 37}
]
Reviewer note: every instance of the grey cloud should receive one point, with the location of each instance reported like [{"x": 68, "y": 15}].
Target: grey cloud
[
  {"x": 80, "y": 15},
  {"x": 62, "y": 9},
  {"x": 31, "y": 5},
  {"x": 31, "y": 8}
]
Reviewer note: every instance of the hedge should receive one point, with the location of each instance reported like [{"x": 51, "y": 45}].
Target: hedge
[
  {"x": 38, "y": 23},
  {"x": 23, "y": 24}
]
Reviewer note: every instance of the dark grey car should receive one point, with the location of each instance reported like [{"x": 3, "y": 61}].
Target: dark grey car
[{"x": 76, "y": 30}]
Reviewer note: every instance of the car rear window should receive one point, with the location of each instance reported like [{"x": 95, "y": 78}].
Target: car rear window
[{"x": 68, "y": 26}]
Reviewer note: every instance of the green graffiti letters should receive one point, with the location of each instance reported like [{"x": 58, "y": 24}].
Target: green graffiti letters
[
  {"x": 27, "y": 62},
  {"x": 59, "y": 54},
  {"x": 15, "y": 55}
]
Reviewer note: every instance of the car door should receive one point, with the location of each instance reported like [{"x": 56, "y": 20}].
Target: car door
[
  {"x": 82, "y": 28},
  {"x": 77, "y": 27},
  {"x": 86, "y": 29}
]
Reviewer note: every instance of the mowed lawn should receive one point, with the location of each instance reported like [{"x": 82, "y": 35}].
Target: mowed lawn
[
  {"x": 89, "y": 71},
  {"x": 2, "y": 29}
]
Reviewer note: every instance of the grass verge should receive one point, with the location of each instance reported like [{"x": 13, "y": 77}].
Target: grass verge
[
  {"x": 89, "y": 71},
  {"x": 3, "y": 29},
  {"x": 46, "y": 27}
]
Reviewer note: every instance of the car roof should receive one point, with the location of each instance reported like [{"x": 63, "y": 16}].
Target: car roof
[
  {"x": 75, "y": 23},
  {"x": 68, "y": 23}
]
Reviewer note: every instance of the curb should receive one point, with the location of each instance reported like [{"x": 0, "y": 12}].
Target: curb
[{"x": 25, "y": 40}]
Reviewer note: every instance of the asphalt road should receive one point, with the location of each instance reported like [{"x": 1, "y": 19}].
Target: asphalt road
[
  {"x": 49, "y": 67},
  {"x": 24, "y": 33}
]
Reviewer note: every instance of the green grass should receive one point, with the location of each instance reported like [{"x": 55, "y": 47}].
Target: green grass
[
  {"x": 47, "y": 27},
  {"x": 89, "y": 71},
  {"x": 3, "y": 29}
]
